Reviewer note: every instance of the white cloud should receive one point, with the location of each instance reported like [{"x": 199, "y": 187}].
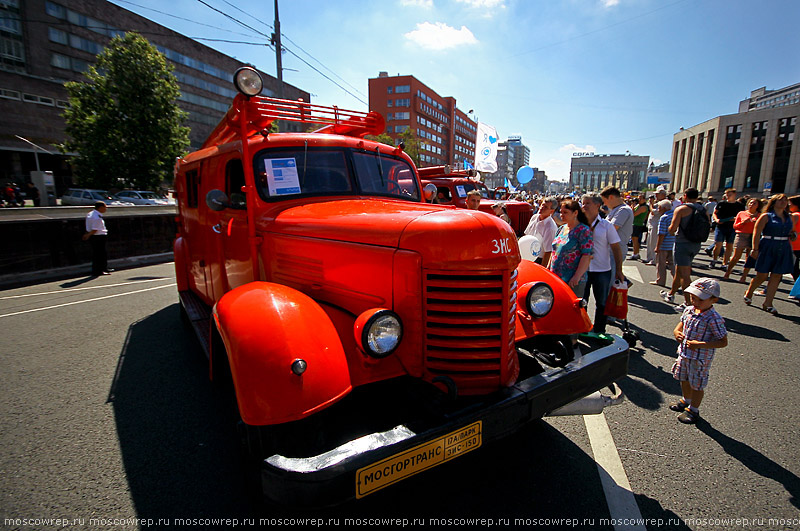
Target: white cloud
[
  {"x": 440, "y": 36},
  {"x": 425, "y": 4},
  {"x": 485, "y": 4},
  {"x": 610, "y": 3},
  {"x": 572, "y": 148}
]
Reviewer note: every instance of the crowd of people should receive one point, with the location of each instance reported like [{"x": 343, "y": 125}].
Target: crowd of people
[{"x": 584, "y": 241}]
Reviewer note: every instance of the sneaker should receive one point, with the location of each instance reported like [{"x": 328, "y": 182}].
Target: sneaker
[
  {"x": 666, "y": 296},
  {"x": 713, "y": 264},
  {"x": 635, "y": 257},
  {"x": 709, "y": 252},
  {"x": 680, "y": 405},
  {"x": 689, "y": 417},
  {"x": 681, "y": 307}
]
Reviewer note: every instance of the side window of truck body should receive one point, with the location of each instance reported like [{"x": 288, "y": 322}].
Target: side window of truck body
[
  {"x": 192, "y": 188},
  {"x": 234, "y": 181}
]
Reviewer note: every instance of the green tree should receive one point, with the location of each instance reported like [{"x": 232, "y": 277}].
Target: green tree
[
  {"x": 407, "y": 137},
  {"x": 123, "y": 121}
]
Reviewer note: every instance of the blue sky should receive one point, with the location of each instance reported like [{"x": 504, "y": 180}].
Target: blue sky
[{"x": 606, "y": 76}]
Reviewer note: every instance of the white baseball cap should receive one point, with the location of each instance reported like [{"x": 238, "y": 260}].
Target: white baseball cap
[{"x": 705, "y": 288}]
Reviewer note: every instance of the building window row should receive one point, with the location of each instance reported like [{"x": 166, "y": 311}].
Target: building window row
[
  {"x": 73, "y": 17},
  {"x": 470, "y": 128},
  {"x": 780, "y": 101},
  {"x": 10, "y": 94},
  {"x": 430, "y": 136},
  {"x": 62, "y": 13},
  {"x": 186, "y": 79},
  {"x": 400, "y": 128},
  {"x": 9, "y": 22},
  {"x": 430, "y": 125},
  {"x": 79, "y": 43},
  {"x": 12, "y": 50},
  {"x": 398, "y": 116},
  {"x": 434, "y": 113},
  {"x": 203, "y": 102},
  {"x": 425, "y": 97},
  {"x": 69, "y": 63}
]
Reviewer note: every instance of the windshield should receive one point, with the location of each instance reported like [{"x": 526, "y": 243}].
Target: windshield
[
  {"x": 150, "y": 195},
  {"x": 292, "y": 172},
  {"x": 102, "y": 195}
]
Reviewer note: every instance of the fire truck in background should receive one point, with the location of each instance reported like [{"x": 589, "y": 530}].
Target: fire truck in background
[
  {"x": 366, "y": 334},
  {"x": 453, "y": 185}
]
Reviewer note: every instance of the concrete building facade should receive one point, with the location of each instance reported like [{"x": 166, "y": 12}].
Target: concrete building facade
[
  {"x": 511, "y": 156},
  {"x": 591, "y": 172},
  {"x": 446, "y": 133},
  {"x": 753, "y": 151},
  {"x": 44, "y": 43}
]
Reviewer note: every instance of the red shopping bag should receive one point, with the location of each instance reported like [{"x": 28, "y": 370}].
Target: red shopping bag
[{"x": 617, "y": 302}]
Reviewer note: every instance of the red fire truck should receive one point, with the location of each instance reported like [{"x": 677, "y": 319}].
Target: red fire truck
[
  {"x": 367, "y": 334},
  {"x": 453, "y": 185}
]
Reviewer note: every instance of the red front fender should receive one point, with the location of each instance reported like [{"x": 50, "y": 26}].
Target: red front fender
[{"x": 265, "y": 328}]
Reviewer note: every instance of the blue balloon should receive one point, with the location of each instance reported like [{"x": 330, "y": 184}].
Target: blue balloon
[{"x": 524, "y": 174}]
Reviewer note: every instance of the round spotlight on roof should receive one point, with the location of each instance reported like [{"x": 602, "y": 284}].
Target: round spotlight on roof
[{"x": 248, "y": 81}]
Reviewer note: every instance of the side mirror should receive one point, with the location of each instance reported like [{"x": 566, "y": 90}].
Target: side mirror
[
  {"x": 429, "y": 192},
  {"x": 217, "y": 200}
]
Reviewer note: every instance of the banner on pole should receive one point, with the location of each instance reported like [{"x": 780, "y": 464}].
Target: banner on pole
[{"x": 486, "y": 148}]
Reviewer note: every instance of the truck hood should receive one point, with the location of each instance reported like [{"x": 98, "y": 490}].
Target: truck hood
[{"x": 440, "y": 234}]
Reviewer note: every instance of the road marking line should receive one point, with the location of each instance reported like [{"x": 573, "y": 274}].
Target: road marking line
[
  {"x": 80, "y": 289},
  {"x": 87, "y": 300},
  {"x": 621, "y": 502},
  {"x": 631, "y": 271}
]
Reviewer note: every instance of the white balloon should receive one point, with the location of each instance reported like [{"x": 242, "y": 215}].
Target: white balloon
[{"x": 530, "y": 247}]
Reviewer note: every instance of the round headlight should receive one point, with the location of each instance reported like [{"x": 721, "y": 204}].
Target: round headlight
[
  {"x": 382, "y": 334},
  {"x": 539, "y": 300},
  {"x": 248, "y": 81}
]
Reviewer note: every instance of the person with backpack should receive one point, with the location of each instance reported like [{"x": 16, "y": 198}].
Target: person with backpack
[{"x": 690, "y": 225}]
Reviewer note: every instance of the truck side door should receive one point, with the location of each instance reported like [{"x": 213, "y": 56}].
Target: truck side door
[{"x": 229, "y": 252}]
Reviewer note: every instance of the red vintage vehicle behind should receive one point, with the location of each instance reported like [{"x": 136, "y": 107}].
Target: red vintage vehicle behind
[
  {"x": 453, "y": 185},
  {"x": 368, "y": 335}
]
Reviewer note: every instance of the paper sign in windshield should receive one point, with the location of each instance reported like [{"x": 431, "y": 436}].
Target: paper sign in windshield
[
  {"x": 460, "y": 190},
  {"x": 282, "y": 176}
]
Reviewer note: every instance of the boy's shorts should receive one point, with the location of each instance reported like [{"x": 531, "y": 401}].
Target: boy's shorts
[
  {"x": 693, "y": 371},
  {"x": 724, "y": 233}
]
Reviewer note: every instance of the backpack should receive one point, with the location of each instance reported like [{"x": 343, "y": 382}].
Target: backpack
[{"x": 698, "y": 226}]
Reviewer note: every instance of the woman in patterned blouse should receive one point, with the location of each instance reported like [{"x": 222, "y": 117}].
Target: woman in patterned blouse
[{"x": 572, "y": 247}]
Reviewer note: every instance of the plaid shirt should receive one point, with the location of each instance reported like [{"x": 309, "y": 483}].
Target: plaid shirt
[{"x": 703, "y": 326}]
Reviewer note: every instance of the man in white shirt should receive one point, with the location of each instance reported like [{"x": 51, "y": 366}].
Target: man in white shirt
[
  {"x": 606, "y": 244},
  {"x": 620, "y": 215},
  {"x": 544, "y": 227},
  {"x": 652, "y": 222},
  {"x": 97, "y": 234}
]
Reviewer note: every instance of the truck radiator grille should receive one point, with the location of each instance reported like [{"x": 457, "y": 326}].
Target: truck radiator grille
[{"x": 469, "y": 327}]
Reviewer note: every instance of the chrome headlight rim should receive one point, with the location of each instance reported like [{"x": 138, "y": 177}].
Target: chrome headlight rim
[
  {"x": 374, "y": 321},
  {"x": 535, "y": 291},
  {"x": 248, "y": 81}
]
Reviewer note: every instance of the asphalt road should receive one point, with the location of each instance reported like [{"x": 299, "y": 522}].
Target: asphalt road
[{"x": 107, "y": 416}]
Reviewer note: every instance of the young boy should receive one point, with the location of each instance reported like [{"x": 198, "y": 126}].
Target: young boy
[{"x": 700, "y": 332}]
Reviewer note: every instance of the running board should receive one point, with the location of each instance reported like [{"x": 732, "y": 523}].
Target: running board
[{"x": 198, "y": 314}]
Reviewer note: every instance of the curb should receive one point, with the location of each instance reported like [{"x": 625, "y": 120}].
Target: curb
[{"x": 35, "y": 277}]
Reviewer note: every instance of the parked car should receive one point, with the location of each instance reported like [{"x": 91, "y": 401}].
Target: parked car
[
  {"x": 88, "y": 197},
  {"x": 144, "y": 197}
]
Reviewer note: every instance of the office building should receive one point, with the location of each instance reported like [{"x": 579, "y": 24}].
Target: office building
[
  {"x": 45, "y": 43},
  {"x": 590, "y": 172},
  {"x": 753, "y": 151},
  {"x": 446, "y": 133}
]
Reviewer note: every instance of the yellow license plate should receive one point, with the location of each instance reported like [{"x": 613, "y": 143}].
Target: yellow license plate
[{"x": 415, "y": 460}]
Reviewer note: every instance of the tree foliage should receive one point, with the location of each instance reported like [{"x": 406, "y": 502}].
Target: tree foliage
[
  {"x": 123, "y": 121},
  {"x": 407, "y": 137}
]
